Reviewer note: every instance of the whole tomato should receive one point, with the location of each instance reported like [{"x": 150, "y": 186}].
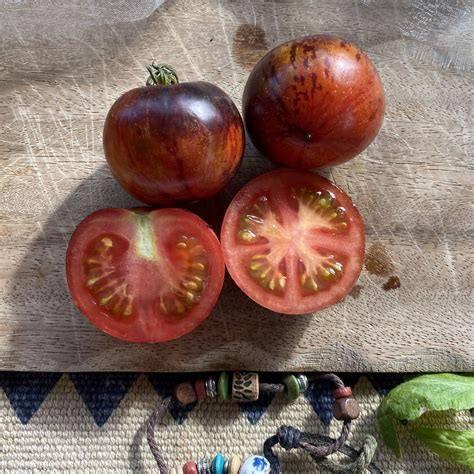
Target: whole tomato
[
  {"x": 171, "y": 141},
  {"x": 315, "y": 101}
]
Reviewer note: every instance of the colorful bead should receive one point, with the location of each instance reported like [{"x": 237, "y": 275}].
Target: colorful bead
[
  {"x": 211, "y": 390},
  {"x": 190, "y": 468},
  {"x": 203, "y": 467},
  {"x": 184, "y": 393},
  {"x": 217, "y": 466},
  {"x": 223, "y": 386},
  {"x": 303, "y": 381},
  {"x": 234, "y": 465},
  {"x": 346, "y": 409},
  {"x": 245, "y": 387},
  {"x": 343, "y": 392},
  {"x": 200, "y": 389},
  {"x": 292, "y": 386},
  {"x": 255, "y": 465}
]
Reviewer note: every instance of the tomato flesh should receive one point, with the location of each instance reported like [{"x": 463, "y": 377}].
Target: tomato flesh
[
  {"x": 293, "y": 241},
  {"x": 145, "y": 276}
]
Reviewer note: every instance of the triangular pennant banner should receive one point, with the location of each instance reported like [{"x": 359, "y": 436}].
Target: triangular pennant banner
[
  {"x": 102, "y": 392},
  {"x": 27, "y": 391},
  {"x": 254, "y": 410},
  {"x": 383, "y": 383},
  {"x": 319, "y": 396}
]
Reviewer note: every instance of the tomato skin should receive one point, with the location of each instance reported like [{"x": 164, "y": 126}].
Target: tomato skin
[
  {"x": 277, "y": 183},
  {"x": 181, "y": 142},
  {"x": 315, "y": 101},
  {"x": 146, "y": 323}
]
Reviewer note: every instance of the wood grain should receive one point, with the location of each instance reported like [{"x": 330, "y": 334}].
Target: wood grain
[{"x": 413, "y": 185}]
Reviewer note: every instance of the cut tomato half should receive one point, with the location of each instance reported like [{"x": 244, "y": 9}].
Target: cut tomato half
[
  {"x": 293, "y": 241},
  {"x": 145, "y": 276}
]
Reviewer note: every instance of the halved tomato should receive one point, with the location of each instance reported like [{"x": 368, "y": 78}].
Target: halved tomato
[
  {"x": 145, "y": 276},
  {"x": 293, "y": 241}
]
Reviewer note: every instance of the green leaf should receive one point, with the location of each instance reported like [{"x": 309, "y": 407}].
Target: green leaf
[
  {"x": 432, "y": 392},
  {"x": 389, "y": 433},
  {"x": 436, "y": 392},
  {"x": 454, "y": 446}
]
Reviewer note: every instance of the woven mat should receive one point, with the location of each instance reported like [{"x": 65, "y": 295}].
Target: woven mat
[{"x": 95, "y": 423}]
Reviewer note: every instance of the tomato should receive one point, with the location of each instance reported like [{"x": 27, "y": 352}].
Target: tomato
[
  {"x": 145, "y": 276},
  {"x": 172, "y": 141},
  {"x": 315, "y": 101},
  {"x": 293, "y": 241}
]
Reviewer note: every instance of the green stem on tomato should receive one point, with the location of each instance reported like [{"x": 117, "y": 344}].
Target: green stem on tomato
[{"x": 161, "y": 75}]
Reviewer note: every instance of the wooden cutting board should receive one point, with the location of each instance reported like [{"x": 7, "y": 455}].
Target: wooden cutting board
[{"x": 412, "y": 308}]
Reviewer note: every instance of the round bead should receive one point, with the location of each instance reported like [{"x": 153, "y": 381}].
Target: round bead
[
  {"x": 342, "y": 392},
  {"x": 234, "y": 465},
  {"x": 200, "y": 389},
  {"x": 255, "y": 465},
  {"x": 217, "y": 466},
  {"x": 346, "y": 409},
  {"x": 303, "y": 381},
  {"x": 211, "y": 390},
  {"x": 184, "y": 393},
  {"x": 245, "y": 387},
  {"x": 223, "y": 386},
  {"x": 190, "y": 468},
  {"x": 292, "y": 386}
]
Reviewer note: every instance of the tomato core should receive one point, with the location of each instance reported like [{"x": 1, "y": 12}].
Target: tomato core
[{"x": 288, "y": 240}]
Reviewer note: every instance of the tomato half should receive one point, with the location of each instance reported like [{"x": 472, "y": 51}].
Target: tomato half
[
  {"x": 145, "y": 276},
  {"x": 293, "y": 241}
]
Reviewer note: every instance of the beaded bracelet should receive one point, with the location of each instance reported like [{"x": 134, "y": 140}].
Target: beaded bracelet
[{"x": 245, "y": 387}]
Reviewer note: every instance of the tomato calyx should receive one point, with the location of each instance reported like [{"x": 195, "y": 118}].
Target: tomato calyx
[{"x": 161, "y": 75}]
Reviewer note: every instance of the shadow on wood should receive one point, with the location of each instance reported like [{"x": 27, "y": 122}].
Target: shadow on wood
[{"x": 230, "y": 329}]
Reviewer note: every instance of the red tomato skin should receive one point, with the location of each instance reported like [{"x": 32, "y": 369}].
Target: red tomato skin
[
  {"x": 166, "y": 144},
  {"x": 315, "y": 101},
  {"x": 115, "y": 220},
  {"x": 275, "y": 179}
]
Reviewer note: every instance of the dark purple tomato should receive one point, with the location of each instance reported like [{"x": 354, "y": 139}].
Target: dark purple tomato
[
  {"x": 315, "y": 101},
  {"x": 173, "y": 141}
]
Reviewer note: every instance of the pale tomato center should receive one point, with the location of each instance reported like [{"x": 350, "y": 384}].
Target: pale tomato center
[
  {"x": 302, "y": 250},
  {"x": 168, "y": 276}
]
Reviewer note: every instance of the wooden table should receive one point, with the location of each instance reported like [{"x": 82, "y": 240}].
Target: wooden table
[{"x": 413, "y": 185}]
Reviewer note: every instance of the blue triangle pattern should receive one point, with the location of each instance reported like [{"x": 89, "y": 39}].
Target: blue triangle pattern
[
  {"x": 163, "y": 384},
  {"x": 102, "y": 392},
  {"x": 383, "y": 383},
  {"x": 254, "y": 410},
  {"x": 349, "y": 379},
  {"x": 26, "y": 391},
  {"x": 319, "y": 396}
]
